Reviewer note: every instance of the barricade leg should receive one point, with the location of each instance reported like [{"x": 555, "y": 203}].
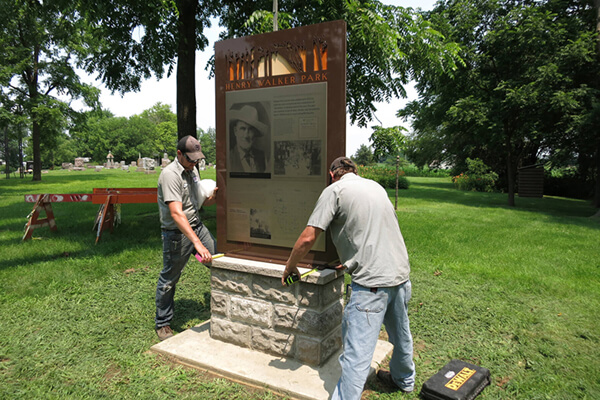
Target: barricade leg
[
  {"x": 105, "y": 218},
  {"x": 42, "y": 204}
]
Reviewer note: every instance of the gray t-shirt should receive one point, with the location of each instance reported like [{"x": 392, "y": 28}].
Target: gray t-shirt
[
  {"x": 365, "y": 231},
  {"x": 177, "y": 184}
]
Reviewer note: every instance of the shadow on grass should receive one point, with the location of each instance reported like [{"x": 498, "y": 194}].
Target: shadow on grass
[
  {"x": 187, "y": 310},
  {"x": 90, "y": 250},
  {"x": 139, "y": 228}
]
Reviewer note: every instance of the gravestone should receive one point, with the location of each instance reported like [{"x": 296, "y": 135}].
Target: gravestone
[
  {"x": 110, "y": 160},
  {"x": 79, "y": 164},
  {"x": 148, "y": 163},
  {"x": 165, "y": 160}
]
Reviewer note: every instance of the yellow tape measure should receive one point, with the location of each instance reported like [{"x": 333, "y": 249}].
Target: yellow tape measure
[{"x": 293, "y": 278}]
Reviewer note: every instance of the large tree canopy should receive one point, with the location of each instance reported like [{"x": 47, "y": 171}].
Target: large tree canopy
[
  {"x": 151, "y": 133},
  {"x": 126, "y": 41},
  {"x": 387, "y": 45},
  {"x": 528, "y": 90},
  {"x": 137, "y": 39},
  {"x": 40, "y": 43}
]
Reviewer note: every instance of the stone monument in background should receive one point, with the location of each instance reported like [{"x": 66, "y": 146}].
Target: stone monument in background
[
  {"x": 110, "y": 160},
  {"x": 165, "y": 160},
  {"x": 79, "y": 164}
]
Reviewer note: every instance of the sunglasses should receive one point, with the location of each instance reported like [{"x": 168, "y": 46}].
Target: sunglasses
[{"x": 190, "y": 160}]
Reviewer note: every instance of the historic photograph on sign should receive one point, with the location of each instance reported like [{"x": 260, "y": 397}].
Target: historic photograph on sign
[
  {"x": 298, "y": 157},
  {"x": 249, "y": 140},
  {"x": 276, "y": 162}
]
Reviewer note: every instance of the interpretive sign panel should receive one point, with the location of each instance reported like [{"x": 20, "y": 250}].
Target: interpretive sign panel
[{"x": 280, "y": 122}]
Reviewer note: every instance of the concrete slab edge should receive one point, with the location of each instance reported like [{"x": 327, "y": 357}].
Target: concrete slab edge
[{"x": 176, "y": 349}]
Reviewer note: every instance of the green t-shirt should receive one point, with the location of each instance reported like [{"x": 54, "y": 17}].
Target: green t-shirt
[
  {"x": 177, "y": 184},
  {"x": 364, "y": 228}
]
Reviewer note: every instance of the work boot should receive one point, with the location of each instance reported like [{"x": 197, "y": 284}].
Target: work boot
[
  {"x": 385, "y": 377},
  {"x": 164, "y": 332}
]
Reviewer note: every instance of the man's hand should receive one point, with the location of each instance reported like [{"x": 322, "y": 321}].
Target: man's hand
[
  {"x": 203, "y": 252},
  {"x": 307, "y": 238},
  {"x": 289, "y": 270},
  {"x": 212, "y": 199}
]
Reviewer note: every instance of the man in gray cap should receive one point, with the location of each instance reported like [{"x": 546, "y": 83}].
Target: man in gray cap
[
  {"x": 246, "y": 127},
  {"x": 183, "y": 233},
  {"x": 364, "y": 228}
]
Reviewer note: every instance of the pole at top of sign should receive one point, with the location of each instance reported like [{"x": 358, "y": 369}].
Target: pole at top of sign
[{"x": 275, "y": 16}]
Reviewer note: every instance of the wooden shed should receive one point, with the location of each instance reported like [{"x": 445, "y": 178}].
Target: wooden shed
[{"x": 531, "y": 181}]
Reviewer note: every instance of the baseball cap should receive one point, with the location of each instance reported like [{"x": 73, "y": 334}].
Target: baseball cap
[
  {"x": 342, "y": 162},
  {"x": 191, "y": 146}
]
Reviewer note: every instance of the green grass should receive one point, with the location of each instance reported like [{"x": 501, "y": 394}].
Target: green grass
[{"x": 513, "y": 289}]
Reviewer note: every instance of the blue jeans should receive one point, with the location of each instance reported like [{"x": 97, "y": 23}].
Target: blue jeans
[
  {"x": 361, "y": 324},
  {"x": 177, "y": 249}
]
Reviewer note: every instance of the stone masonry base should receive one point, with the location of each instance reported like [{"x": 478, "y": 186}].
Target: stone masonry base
[{"x": 251, "y": 308}]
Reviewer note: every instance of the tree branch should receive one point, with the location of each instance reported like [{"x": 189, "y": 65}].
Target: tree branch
[{"x": 18, "y": 89}]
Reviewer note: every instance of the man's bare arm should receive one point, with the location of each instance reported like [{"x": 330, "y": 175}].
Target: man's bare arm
[{"x": 305, "y": 242}]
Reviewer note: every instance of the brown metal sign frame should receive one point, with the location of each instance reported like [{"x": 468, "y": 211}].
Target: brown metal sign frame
[{"x": 312, "y": 54}]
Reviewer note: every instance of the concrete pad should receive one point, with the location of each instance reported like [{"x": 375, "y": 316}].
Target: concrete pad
[{"x": 290, "y": 377}]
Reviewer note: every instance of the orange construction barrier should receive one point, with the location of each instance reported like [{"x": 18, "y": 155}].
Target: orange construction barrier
[
  {"x": 42, "y": 203},
  {"x": 110, "y": 200}
]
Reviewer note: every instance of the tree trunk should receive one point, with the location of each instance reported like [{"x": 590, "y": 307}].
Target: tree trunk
[
  {"x": 37, "y": 154},
  {"x": 597, "y": 186},
  {"x": 36, "y": 136},
  {"x": 6, "y": 155},
  {"x": 186, "y": 68},
  {"x": 509, "y": 166},
  {"x": 22, "y": 174}
]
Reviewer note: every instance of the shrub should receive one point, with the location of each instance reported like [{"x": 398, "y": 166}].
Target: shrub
[
  {"x": 410, "y": 169},
  {"x": 413, "y": 170},
  {"x": 385, "y": 176},
  {"x": 478, "y": 177}
]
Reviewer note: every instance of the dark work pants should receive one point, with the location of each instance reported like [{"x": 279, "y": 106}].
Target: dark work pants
[{"x": 177, "y": 249}]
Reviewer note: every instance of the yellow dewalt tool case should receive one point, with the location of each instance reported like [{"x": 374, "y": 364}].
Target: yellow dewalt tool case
[{"x": 457, "y": 380}]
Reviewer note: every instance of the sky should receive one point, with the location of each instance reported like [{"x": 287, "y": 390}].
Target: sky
[{"x": 164, "y": 90}]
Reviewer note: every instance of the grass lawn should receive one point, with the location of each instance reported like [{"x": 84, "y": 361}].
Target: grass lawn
[{"x": 513, "y": 289}]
